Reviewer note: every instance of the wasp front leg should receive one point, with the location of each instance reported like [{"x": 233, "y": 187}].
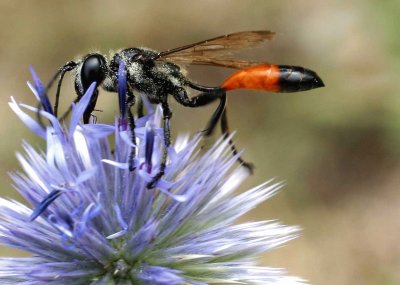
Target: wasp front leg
[{"x": 130, "y": 101}]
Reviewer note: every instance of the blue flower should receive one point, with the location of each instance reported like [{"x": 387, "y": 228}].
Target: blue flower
[{"x": 93, "y": 221}]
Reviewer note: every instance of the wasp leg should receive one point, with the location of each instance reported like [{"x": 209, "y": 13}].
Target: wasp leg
[
  {"x": 69, "y": 65},
  {"x": 202, "y": 99},
  {"x": 90, "y": 108},
  {"x": 39, "y": 116},
  {"x": 211, "y": 94},
  {"x": 130, "y": 101},
  {"x": 215, "y": 93},
  {"x": 167, "y": 142},
  {"x": 216, "y": 116},
  {"x": 61, "y": 72},
  {"x": 225, "y": 131},
  {"x": 140, "y": 111}
]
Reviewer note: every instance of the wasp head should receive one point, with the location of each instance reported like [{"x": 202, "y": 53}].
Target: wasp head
[{"x": 93, "y": 69}]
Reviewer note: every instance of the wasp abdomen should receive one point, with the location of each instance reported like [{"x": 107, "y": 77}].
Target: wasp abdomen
[
  {"x": 275, "y": 78},
  {"x": 296, "y": 78}
]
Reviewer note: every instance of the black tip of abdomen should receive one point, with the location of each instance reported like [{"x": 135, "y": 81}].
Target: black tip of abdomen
[{"x": 296, "y": 78}]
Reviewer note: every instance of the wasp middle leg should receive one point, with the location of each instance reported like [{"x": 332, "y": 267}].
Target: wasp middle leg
[{"x": 167, "y": 142}]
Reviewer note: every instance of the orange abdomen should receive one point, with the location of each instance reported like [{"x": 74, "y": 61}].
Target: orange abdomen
[
  {"x": 260, "y": 77},
  {"x": 275, "y": 78}
]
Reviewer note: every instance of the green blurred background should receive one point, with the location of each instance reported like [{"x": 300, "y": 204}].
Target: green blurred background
[{"x": 337, "y": 148}]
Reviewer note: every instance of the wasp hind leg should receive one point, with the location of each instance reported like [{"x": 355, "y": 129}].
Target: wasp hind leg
[
  {"x": 221, "y": 115},
  {"x": 225, "y": 131},
  {"x": 209, "y": 95}
]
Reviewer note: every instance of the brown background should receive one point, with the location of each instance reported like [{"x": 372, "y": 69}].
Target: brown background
[{"x": 337, "y": 148}]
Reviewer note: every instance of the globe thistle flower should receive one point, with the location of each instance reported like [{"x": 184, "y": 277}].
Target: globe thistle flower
[{"x": 91, "y": 220}]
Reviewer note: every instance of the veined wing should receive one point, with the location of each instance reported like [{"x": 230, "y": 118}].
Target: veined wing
[{"x": 218, "y": 51}]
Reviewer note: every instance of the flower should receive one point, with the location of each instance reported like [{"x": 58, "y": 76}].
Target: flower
[{"x": 93, "y": 221}]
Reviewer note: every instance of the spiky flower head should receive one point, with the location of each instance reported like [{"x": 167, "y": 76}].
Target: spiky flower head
[{"x": 92, "y": 220}]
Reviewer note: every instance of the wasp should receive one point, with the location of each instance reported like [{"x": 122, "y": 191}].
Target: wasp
[{"x": 158, "y": 76}]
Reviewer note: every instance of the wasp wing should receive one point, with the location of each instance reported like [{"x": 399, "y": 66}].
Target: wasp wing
[
  {"x": 223, "y": 62},
  {"x": 217, "y": 51}
]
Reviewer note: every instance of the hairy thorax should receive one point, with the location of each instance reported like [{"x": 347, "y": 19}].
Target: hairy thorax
[{"x": 154, "y": 78}]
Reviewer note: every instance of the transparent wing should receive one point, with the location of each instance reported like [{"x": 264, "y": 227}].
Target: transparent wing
[{"x": 218, "y": 51}]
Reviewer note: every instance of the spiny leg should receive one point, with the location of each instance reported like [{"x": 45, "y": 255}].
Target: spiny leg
[
  {"x": 225, "y": 131},
  {"x": 130, "y": 101},
  {"x": 204, "y": 99},
  {"x": 167, "y": 142},
  {"x": 211, "y": 94},
  {"x": 215, "y": 117},
  {"x": 182, "y": 98}
]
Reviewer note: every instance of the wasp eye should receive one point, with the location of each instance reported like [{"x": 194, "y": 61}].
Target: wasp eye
[{"x": 93, "y": 70}]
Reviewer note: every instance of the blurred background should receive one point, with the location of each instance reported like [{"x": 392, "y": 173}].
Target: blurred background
[{"x": 337, "y": 148}]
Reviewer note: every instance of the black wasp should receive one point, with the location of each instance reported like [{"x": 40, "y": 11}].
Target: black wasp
[{"x": 157, "y": 75}]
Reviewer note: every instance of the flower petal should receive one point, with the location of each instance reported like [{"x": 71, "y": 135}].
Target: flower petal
[
  {"x": 79, "y": 108},
  {"x": 27, "y": 120},
  {"x": 45, "y": 204}
]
